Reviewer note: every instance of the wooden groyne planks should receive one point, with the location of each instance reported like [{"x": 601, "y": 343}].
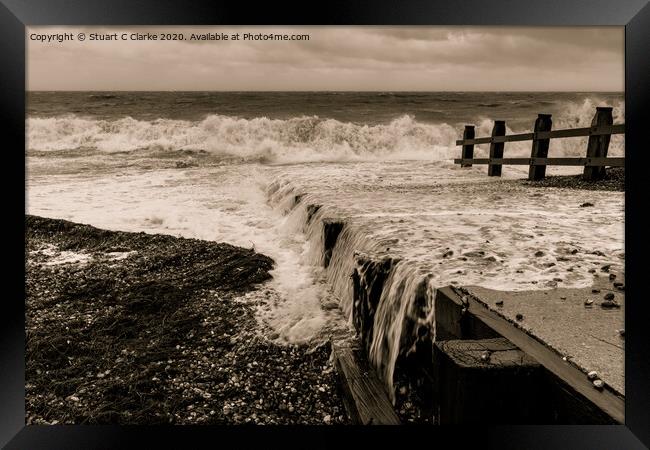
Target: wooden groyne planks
[
  {"x": 486, "y": 381},
  {"x": 364, "y": 395},
  {"x": 569, "y": 396},
  {"x": 521, "y": 380},
  {"x": 602, "y": 127}
]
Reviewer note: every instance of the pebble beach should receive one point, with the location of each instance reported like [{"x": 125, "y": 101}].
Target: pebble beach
[
  {"x": 151, "y": 318},
  {"x": 134, "y": 328}
]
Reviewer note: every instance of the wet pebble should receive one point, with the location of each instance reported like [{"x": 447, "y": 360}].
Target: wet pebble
[
  {"x": 519, "y": 317},
  {"x": 610, "y": 304}
]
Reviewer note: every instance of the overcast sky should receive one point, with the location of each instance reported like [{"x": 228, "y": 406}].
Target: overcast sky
[{"x": 335, "y": 58}]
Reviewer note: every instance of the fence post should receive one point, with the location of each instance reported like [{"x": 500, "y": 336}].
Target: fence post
[
  {"x": 496, "y": 149},
  {"x": 540, "y": 147},
  {"x": 598, "y": 145},
  {"x": 468, "y": 150}
]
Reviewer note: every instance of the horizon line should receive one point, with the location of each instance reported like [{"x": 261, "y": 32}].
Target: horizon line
[{"x": 319, "y": 90}]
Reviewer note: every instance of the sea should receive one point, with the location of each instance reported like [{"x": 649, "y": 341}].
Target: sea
[{"x": 231, "y": 166}]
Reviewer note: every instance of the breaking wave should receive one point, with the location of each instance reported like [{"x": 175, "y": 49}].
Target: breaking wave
[
  {"x": 298, "y": 139},
  {"x": 573, "y": 115}
]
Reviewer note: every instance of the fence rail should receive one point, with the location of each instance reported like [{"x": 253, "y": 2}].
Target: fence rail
[
  {"x": 591, "y": 162},
  {"x": 599, "y": 134},
  {"x": 571, "y": 132}
]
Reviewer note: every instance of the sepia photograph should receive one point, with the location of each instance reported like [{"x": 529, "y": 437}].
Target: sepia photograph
[{"x": 324, "y": 225}]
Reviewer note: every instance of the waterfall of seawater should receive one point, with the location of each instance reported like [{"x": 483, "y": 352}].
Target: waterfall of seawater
[
  {"x": 389, "y": 302},
  {"x": 403, "y": 324}
]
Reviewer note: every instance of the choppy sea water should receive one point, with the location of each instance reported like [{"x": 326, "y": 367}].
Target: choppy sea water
[{"x": 227, "y": 167}]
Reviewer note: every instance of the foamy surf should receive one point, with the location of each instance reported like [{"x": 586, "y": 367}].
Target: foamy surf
[
  {"x": 270, "y": 183},
  {"x": 391, "y": 207},
  {"x": 221, "y": 205},
  {"x": 405, "y": 229},
  {"x": 299, "y": 139},
  {"x": 295, "y": 140}
]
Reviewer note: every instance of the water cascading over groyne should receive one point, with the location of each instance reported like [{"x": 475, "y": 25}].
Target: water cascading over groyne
[{"x": 388, "y": 301}]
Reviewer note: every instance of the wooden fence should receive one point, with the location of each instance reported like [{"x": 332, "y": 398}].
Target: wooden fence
[{"x": 594, "y": 163}]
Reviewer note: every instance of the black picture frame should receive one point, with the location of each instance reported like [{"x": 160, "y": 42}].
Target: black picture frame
[{"x": 16, "y": 14}]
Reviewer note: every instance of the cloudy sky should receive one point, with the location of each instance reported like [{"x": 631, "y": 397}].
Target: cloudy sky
[{"x": 335, "y": 58}]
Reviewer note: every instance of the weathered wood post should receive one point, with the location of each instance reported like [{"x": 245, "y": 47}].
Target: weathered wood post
[
  {"x": 540, "y": 146},
  {"x": 468, "y": 150},
  {"x": 598, "y": 145},
  {"x": 496, "y": 149},
  {"x": 487, "y": 381}
]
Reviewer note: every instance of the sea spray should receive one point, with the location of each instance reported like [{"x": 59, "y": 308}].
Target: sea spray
[
  {"x": 387, "y": 301},
  {"x": 405, "y": 229},
  {"x": 296, "y": 139},
  {"x": 342, "y": 168},
  {"x": 403, "y": 324},
  {"x": 574, "y": 115}
]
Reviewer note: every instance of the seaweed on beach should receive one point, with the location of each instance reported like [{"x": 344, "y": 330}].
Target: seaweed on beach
[{"x": 149, "y": 330}]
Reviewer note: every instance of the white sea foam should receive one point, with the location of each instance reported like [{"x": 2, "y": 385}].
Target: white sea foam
[
  {"x": 416, "y": 211},
  {"x": 575, "y": 115},
  {"x": 57, "y": 257},
  {"x": 294, "y": 140},
  {"x": 223, "y": 204},
  {"x": 448, "y": 226}
]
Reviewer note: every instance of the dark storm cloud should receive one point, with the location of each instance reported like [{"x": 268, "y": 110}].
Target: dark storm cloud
[{"x": 337, "y": 58}]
